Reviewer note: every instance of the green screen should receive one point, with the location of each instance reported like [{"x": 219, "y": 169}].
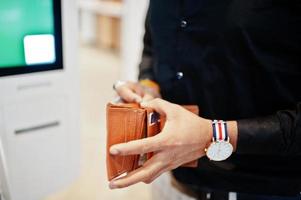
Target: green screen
[{"x": 19, "y": 18}]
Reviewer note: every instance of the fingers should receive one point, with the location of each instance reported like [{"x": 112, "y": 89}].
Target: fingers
[
  {"x": 134, "y": 92},
  {"x": 153, "y": 168},
  {"x": 160, "y": 106},
  {"x": 138, "y": 89},
  {"x": 147, "y": 97},
  {"x": 141, "y": 146},
  {"x": 128, "y": 94},
  {"x": 148, "y": 172}
]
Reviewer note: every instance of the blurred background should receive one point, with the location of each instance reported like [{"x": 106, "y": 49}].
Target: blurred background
[
  {"x": 58, "y": 62},
  {"x": 110, "y": 36}
]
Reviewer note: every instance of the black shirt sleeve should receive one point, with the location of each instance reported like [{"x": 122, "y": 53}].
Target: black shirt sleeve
[
  {"x": 278, "y": 134},
  {"x": 146, "y": 64}
]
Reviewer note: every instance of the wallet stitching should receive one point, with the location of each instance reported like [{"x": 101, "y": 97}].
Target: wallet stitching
[
  {"x": 142, "y": 130},
  {"x": 135, "y": 132},
  {"x": 124, "y": 139}
]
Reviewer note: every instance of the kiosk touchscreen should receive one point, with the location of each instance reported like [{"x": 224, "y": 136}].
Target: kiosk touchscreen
[{"x": 30, "y": 36}]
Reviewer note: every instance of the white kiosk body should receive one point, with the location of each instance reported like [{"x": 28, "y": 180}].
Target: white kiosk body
[{"x": 39, "y": 123}]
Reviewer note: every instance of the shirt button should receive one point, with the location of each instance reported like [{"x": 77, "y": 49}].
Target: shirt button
[
  {"x": 180, "y": 75},
  {"x": 183, "y": 23}
]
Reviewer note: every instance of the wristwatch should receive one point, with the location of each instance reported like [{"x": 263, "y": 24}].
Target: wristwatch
[{"x": 220, "y": 149}]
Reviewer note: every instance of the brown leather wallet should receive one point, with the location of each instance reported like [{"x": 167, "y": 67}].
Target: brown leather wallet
[{"x": 127, "y": 122}]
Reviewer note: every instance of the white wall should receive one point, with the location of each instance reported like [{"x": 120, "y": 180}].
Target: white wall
[
  {"x": 132, "y": 15},
  {"x": 132, "y": 37},
  {"x": 88, "y": 27}
]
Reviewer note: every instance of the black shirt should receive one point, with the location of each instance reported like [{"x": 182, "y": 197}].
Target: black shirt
[{"x": 238, "y": 60}]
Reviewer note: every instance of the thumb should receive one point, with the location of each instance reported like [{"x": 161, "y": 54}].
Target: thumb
[
  {"x": 147, "y": 97},
  {"x": 159, "y": 105}
]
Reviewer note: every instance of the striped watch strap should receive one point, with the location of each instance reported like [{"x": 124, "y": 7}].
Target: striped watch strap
[{"x": 220, "y": 131}]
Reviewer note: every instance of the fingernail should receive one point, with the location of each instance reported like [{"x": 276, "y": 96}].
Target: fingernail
[
  {"x": 114, "y": 151},
  {"x": 112, "y": 185}
]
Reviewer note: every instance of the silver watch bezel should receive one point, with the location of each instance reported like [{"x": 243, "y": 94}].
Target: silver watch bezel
[{"x": 217, "y": 144}]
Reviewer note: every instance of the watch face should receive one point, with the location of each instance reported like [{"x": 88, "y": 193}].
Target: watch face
[{"x": 219, "y": 151}]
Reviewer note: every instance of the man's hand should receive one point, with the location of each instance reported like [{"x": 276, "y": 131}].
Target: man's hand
[
  {"x": 183, "y": 139},
  {"x": 133, "y": 92}
]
